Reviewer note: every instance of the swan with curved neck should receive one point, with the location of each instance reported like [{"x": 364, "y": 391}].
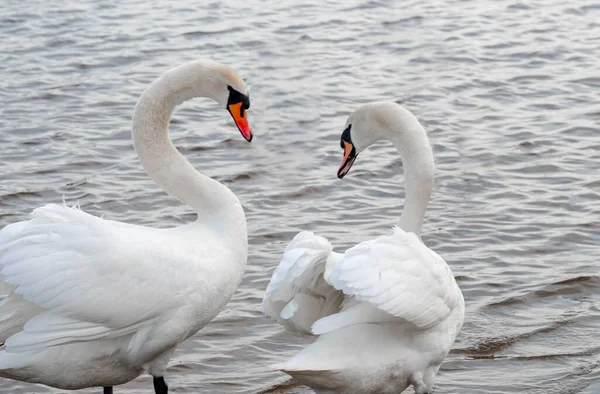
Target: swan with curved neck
[
  {"x": 89, "y": 302},
  {"x": 386, "y": 311},
  {"x": 150, "y": 130},
  {"x": 385, "y": 120}
]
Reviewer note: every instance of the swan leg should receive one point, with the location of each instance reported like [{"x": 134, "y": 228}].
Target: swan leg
[
  {"x": 419, "y": 385},
  {"x": 160, "y": 387},
  {"x": 108, "y": 390},
  {"x": 157, "y": 370},
  {"x": 421, "y": 389}
]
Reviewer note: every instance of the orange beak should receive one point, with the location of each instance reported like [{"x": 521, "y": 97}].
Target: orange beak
[
  {"x": 241, "y": 120},
  {"x": 347, "y": 160}
]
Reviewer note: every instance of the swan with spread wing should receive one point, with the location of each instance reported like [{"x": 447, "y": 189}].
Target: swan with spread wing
[
  {"x": 88, "y": 302},
  {"x": 386, "y": 311}
]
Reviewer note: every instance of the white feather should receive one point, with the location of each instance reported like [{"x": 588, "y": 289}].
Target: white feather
[
  {"x": 91, "y": 302},
  {"x": 387, "y": 310},
  {"x": 298, "y": 279}
]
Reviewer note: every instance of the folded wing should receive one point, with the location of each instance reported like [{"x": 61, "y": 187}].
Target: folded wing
[{"x": 69, "y": 276}]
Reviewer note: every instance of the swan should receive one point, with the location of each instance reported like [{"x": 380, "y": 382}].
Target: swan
[
  {"x": 88, "y": 302},
  {"x": 387, "y": 310}
]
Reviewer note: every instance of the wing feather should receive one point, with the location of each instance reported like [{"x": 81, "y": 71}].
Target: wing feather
[
  {"x": 78, "y": 277},
  {"x": 297, "y": 294},
  {"x": 399, "y": 275},
  {"x": 390, "y": 279}
]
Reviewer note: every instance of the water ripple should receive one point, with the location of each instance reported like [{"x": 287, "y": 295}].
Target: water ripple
[{"x": 507, "y": 90}]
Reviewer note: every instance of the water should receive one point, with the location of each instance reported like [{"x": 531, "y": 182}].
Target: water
[{"x": 508, "y": 91}]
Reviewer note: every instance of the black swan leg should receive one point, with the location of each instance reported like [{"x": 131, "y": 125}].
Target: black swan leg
[{"x": 160, "y": 387}]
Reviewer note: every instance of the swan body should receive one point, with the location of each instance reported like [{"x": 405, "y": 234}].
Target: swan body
[
  {"x": 386, "y": 311},
  {"x": 90, "y": 302}
]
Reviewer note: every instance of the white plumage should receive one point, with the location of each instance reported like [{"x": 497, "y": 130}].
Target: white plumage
[
  {"x": 92, "y": 302},
  {"x": 387, "y": 310},
  {"x": 298, "y": 294}
]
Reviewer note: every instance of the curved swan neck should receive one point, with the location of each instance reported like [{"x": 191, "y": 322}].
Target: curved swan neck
[
  {"x": 410, "y": 139},
  {"x": 161, "y": 160}
]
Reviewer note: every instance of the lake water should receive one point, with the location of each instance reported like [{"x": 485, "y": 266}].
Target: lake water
[{"x": 509, "y": 92}]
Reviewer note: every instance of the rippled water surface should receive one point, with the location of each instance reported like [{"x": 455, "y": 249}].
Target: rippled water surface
[{"x": 509, "y": 92}]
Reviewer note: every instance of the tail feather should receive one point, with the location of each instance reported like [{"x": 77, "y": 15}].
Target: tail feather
[{"x": 318, "y": 379}]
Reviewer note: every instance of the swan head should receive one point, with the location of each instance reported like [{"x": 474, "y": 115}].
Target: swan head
[
  {"x": 229, "y": 90},
  {"x": 376, "y": 121},
  {"x": 362, "y": 129},
  {"x": 220, "y": 82}
]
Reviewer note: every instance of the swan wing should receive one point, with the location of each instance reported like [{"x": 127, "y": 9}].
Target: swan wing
[
  {"x": 71, "y": 276},
  {"x": 392, "y": 277},
  {"x": 297, "y": 294}
]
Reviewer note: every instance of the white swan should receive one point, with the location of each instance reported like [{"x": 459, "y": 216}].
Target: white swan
[
  {"x": 87, "y": 302},
  {"x": 387, "y": 310}
]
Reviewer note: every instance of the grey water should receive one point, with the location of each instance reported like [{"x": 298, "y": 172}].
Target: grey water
[{"x": 509, "y": 92}]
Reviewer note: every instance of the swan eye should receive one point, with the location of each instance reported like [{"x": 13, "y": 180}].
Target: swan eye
[
  {"x": 346, "y": 136},
  {"x": 235, "y": 97}
]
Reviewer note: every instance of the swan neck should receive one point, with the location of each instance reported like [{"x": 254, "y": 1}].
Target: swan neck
[
  {"x": 417, "y": 160},
  {"x": 162, "y": 161}
]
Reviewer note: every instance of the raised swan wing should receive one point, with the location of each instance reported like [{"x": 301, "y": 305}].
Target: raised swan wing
[
  {"x": 315, "y": 290},
  {"x": 298, "y": 295},
  {"x": 396, "y": 274}
]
